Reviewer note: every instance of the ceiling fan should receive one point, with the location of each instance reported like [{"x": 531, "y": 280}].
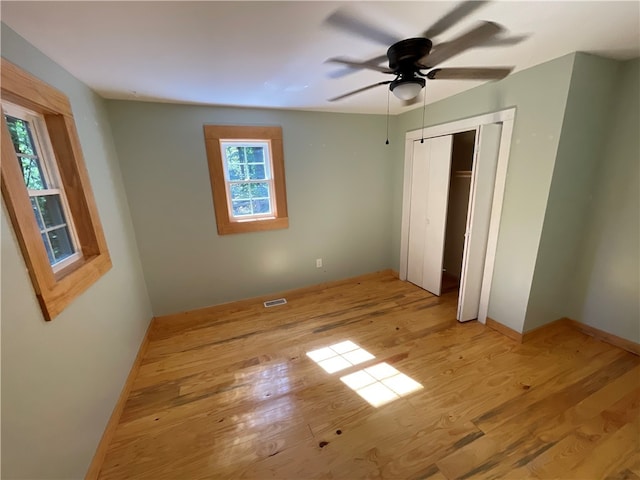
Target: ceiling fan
[{"x": 414, "y": 60}]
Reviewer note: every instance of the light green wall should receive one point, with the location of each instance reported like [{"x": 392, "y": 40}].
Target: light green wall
[
  {"x": 61, "y": 379},
  {"x": 607, "y": 290},
  {"x": 339, "y": 198},
  {"x": 540, "y": 95},
  {"x": 582, "y": 140}
]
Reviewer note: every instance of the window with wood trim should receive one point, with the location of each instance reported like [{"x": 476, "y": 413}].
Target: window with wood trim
[
  {"x": 246, "y": 168},
  {"x": 46, "y": 189},
  {"x": 41, "y": 177}
]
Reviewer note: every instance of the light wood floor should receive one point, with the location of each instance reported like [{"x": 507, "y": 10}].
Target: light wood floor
[{"x": 231, "y": 393}]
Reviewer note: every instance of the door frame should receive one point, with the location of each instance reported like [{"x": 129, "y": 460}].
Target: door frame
[{"x": 506, "y": 117}]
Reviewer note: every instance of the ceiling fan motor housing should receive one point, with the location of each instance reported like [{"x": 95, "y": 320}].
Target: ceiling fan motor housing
[{"x": 404, "y": 54}]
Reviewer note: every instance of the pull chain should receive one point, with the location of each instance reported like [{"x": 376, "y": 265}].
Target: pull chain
[
  {"x": 424, "y": 107},
  {"x": 387, "y": 142}
]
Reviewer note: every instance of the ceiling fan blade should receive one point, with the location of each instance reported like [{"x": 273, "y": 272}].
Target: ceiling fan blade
[
  {"x": 495, "y": 42},
  {"x": 368, "y": 87},
  {"x": 359, "y": 65},
  {"x": 345, "y": 21},
  {"x": 343, "y": 72},
  {"x": 504, "y": 41},
  {"x": 453, "y": 17},
  {"x": 378, "y": 60},
  {"x": 476, "y": 36},
  {"x": 469, "y": 73}
]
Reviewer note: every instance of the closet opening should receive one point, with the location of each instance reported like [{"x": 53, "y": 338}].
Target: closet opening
[
  {"x": 462, "y": 153},
  {"x": 428, "y": 221}
]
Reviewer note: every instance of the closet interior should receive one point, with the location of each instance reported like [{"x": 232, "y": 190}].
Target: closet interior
[{"x": 458, "y": 208}]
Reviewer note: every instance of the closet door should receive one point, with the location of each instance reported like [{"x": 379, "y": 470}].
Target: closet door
[
  {"x": 428, "y": 214},
  {"x": 417, "y": 213},
  {"x": 477, "y": 234}
]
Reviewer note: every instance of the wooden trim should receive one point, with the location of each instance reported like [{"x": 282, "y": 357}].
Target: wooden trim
[
  {"x": 112, "y": 424},
  {"x": 541, "y": 330},
  {"x": 253, "y": 226},
  {"x": 606, "y": 337},
  {"x": 19, "y": 86},
  {"x": 242, "y": 132},
  {"x": 54, "y": 291},
  {"x": 504, "y": 330},
  {"x": 213, "y": 135},
  {"x": 75, "y": 178}
]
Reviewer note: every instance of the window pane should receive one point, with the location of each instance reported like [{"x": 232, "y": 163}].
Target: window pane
[
  {"x": 51, "y": 209},
  {"x": 237, "y": 172},
  {"x": 20, "y": 135},
  {"x": 240, "y": 191},
  {"x": 254, "y": 154},
  {"x": 47, "y": 248},
  {"x": 257, "y": 172},
  {"x": 261, "y": 206},
  {"x": 27, "y": 154},
  {"x": 32, "y": 173},
  {"x": 61, "y": 243},
  {"x": 259, "y": 190},
  {"x": 242, "y": 207},
  {"x": 232, "y": 154},
  {"x": 34, "y": 207}
]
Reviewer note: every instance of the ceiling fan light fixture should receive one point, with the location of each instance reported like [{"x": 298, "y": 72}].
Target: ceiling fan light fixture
[{"x": 407, "y": 89}]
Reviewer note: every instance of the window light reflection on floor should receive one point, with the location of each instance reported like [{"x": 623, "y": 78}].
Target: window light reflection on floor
[
  {"x": 380, "y": 384},
  {"x": 339, "y": 356}
]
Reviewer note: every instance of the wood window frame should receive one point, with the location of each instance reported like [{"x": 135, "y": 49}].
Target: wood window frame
[
  {"x": 49, "y": 174},
  {"x": 54, "y": 290},
  {"x": 216, "y": 134}
]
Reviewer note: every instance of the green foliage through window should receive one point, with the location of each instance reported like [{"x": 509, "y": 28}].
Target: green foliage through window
[
  {"x": 248, "y": 177},
  {"x": 47, "y": 209},
  {"x": 26, "y": 152}
]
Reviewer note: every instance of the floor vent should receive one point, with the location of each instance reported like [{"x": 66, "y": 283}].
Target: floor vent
[{"x": 275, "y": 303}]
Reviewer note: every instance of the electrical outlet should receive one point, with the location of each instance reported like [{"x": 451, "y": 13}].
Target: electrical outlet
[{"x": 318, "y": 263}]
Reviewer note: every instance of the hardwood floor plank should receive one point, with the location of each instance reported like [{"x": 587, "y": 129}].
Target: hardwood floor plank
[
  {"x": 633, "y": 464},
  {"x": 230, "y": 392},
  {"x": 563, "y": 386},
  {"x": 530, "y": 439},
  {"x": 630, "y": 469},
  {"x": 573, "y": 448},
  {"x": 609, "y": 454}
]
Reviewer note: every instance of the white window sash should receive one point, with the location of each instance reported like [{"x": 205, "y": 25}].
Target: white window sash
[
  {"x": 268, "y": 166},
  {"x": 48, "y": 165}
]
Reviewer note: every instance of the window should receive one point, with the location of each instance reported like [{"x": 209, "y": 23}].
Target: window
[
  {"x": 47, "y": 192},
  {"x": 249, "y": 180},
  {"x": 246, "y": 167},
  {"x": 41, "y": 178}
]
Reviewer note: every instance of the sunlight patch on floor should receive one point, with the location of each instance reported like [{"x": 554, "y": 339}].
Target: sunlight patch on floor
[
  {"x": 380, "y": 384},
  {"x": 339, "y": 356}
]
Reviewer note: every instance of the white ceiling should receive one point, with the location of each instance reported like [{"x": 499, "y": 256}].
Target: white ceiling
[{"x": 271, "y": 54}]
